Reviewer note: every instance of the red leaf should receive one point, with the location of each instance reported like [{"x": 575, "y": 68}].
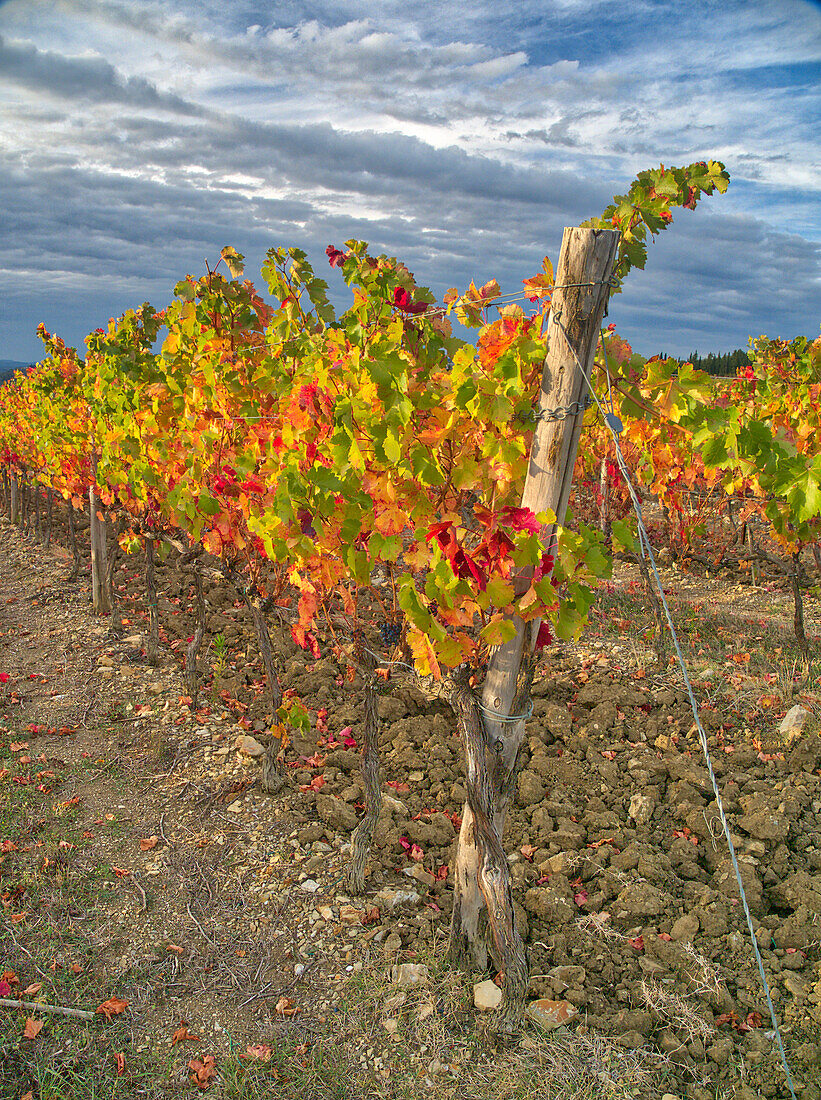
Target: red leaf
[
  {"x": 335, "y": 257},
  {"x": 520, "y": 519},
  {"x": 580, "y": 898},
  {"x": 637, "y": 943}
]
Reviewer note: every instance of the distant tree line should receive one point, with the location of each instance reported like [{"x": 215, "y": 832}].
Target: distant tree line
[{"x": 727, "y": 362}]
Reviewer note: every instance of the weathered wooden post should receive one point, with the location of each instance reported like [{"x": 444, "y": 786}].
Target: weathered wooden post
[
  {"x": 492, "y": 746},
  {"x": 14, "y": 498},
  {"x": 99, "y": 589}
]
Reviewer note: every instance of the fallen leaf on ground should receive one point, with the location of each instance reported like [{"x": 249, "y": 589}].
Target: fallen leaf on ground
[
  {"x": 182, "y": 1035},
  {"x": 112, "y": 1007},
  {"x": 173, "y": 947},
  {"x": 119, "y": 1058},
  {"x": 10, "y": 977},
  {"x": 148, "y": 842},
  {"x": 260, "y": 1051},
  {"x": 35, "y": 987},
  {"x": 32, "y": 1028},
  {"x": 286, "y": 1007},
  {"x": 202, "y": 1071}
]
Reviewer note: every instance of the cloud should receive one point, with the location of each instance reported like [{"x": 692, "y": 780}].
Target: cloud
[
  {"x": 139, "y": 138},
  {"x": 87, "y": 79}
]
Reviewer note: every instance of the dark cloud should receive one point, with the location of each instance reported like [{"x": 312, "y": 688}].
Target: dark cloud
[{"x": 90, "y": 80}]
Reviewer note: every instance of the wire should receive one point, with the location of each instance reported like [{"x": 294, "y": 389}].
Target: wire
[{"x": 615, "y": 426}]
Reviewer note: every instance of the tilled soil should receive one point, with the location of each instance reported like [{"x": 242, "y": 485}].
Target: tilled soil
[{"x": 234, "y": 899}]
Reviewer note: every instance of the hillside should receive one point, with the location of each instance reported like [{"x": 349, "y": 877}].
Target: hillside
[{"x": 9, "y": 366}]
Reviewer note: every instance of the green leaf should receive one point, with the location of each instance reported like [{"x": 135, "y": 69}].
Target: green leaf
[
  {"x": 208, "y": 505},
  {"x": 714, "y": 452},
  {"x": 500, "y": 592},
  {"x": 498, "y": 631},
  {"x": 622, "y": 536}
]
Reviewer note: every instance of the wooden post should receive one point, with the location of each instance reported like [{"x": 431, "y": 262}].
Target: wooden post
[
  {"x": 481, "y": 878},
  {"x": 99, "y": 589}
]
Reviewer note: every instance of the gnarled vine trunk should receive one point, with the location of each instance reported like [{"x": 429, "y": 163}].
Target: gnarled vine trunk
[
  {"x": 151, "y": 601},
  {"x": 363, "y": 834}
]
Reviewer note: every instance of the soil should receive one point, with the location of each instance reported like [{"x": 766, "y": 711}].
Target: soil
[{"x": 226, "y": 907}]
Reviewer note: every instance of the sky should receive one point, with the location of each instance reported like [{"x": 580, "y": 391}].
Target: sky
[{"x": 137, "y": 137}]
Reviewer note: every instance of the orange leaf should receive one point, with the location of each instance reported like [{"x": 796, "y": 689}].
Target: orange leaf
[
  {"x": 76, "y": 968},
  {"x": 173, "y": 947},
  {"x": 202, "y": 1071},
  {"x": 182, "y": 1035},
  {"x": 35, "y": 987},
  {"x": 32, "y": 1028},
  {"x": 119, "y": 1058},
  {"x": 148, "y": 842},
  {"x": 285, "y": 1007},
  {"x": 259, "y": 1051},
  {"x": 10, "y": 977},
  {"x": 112, "y": 1007}
]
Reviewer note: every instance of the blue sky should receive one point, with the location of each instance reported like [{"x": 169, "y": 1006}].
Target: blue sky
[{"x": 139, "y": 136}]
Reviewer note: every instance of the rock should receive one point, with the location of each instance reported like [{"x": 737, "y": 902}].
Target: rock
[
  {"x": 641, "y": 808},
  {"x": 765, "y": 826},
  {"x": 557, "y": 864},
  {"x": 418, "y": 872},
  {"x": 309, "y": 886},
  {"x": 549, "y": 904},
  {"x": 235, "y": 807},
  {"x": 641, "y": 900},
  {"x": 724, "y": 880},
  {"x": 391, "y": 897},
  {"x": 564, "y": 976},
  {"x": 798, "y": 889},
  {"x": 487, "y": 995},
  {"x": 249, "y": 745},
  {"x": 531, "y": 789},
  {"x": 721, "y": 1050},
  {"x": 795, "y": 984},
  {"x": 392, "y": 944},
  {"x": 551, "y": 1014},
  {"x": 806, "y": 753},
  {"x": 793, "y": 722},
  {"x": 685, "y": 928},
  {"x": 394, "y": 805},
  {"x": 407, "y": 975},
  {"x": 337, "y": 814},
  {"x": 632, "y": 1040}
]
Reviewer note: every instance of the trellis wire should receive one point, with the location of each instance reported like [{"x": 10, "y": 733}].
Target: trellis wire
[{"x": 615, "y": 427}]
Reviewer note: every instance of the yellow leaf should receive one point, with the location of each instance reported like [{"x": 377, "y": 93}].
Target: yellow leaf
[{"x": 423, "y": 655}]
